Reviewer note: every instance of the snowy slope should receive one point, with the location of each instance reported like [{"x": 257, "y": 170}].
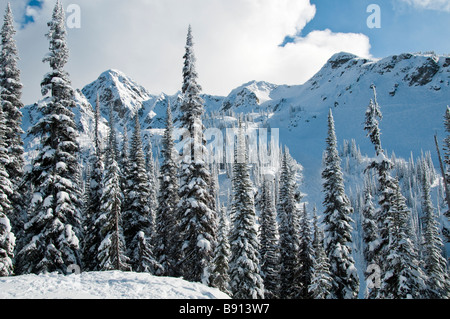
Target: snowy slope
[{"x": 103, "y": 285}]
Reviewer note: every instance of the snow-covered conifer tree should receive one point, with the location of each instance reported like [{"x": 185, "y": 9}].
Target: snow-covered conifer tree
[
  {"x": 10, "y": 99},
  {"x": 137, "y": 219},
  {"x": 337, "y": 220},
  {"x": 270, "y": 246},
  {"x": 402, "y": 277},
  {"x": 370, "y": 235},
  {"x": 306, "y": 255},
  {"x": 53, "y": 226},
  {"x": 168, "y": 245},
  {"x": 198, "y": 224},
  {"x": 220, "y": 273},
  {"x": 321, "y": 281},
  {"x": 92, "y": 237},
  {"x": 387, "y": 186},
  {"x": 245, "y": 270},
  {"x": 435, "y": 265},
  {"x": 111, "y": 252},
  {"x": 289, "y": 229},
  {"x": 7, "y": 238}
]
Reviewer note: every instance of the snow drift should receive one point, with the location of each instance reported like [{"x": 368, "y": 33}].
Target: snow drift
[{"x": 103, "y": 285}]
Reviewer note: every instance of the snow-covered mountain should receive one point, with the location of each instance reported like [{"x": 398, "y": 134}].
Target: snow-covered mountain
[{"x": 413, "y": 91}]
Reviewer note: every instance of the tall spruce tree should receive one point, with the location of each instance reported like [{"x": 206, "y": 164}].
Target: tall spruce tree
[
  {"x": 270, "y": 245},
  {"x": 198, "y": 222},
  {"x": 289, "y": 229},
  {"x": 435, "y": 265},
  {"x": 337, "y": 219},
  {"x": 387, "y": 186},
  {"x": 7, "y": 238},
  {"x": 111, "y": 252},
  {"x": 53, "y": 225},
  {"x": 10, "y": 100},
  {"x": 245, "y": 270},
  {"x": 168, "y": 241},
  {"x": 137, "y": 219}
]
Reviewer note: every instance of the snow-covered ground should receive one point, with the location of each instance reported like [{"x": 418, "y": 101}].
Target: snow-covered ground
[{"x": 103, "y": 285}]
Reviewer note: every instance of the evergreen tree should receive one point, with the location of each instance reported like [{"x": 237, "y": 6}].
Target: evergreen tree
[
  {"x": 54, "y": 214},
  {"x": 245, "y": 271},
  {"x": 10, "y": 99},
  {"x": 153, "y": 185},
  {"x": 92, "y": 237},
  {"x": 403, "y": 278},
  {"x": 270, "y": 248},
  {"x": 168, "y": 242},
  {"x": 125, "y": 169},
  {"x": 370, "y": 233},
  {"x": 447, "y": 162},
  {"x": 289, "y": 229},
  {"x": 198, "y": 224},
  {"x": 137, "y": 219},
  {"x": 7, "y": 238},
  {"x": 338, "y": 221},
  {"x": 373, "y": 116},
  {"x": 111, "y": 252},
  {"x": 321, "y": 281},
  {"x": 221, "y": 278},
  {"x": 387, "y": 186},
  {"x": 435, "y": 264},
  {"x": 306, "y": 255}
]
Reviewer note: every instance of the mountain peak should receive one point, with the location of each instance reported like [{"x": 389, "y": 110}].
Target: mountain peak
[
  {"x": 119, "y": 90},
  {"x": 341, "y": 58}
]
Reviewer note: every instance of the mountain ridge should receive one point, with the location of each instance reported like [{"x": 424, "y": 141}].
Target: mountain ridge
[{"x": 412, "y": 88}]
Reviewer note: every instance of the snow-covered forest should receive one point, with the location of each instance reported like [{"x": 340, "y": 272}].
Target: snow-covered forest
[{"x": 237, "y": 216}]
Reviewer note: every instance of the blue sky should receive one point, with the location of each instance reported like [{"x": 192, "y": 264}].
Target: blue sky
[{"x": 404, "y": 28}]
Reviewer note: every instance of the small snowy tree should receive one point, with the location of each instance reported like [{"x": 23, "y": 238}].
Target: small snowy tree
[
  {"x": 289, "y": 229},
  {"x": 92, "y": 238},
  {"x": 337, "y": 219},
  {"x": 245, "y": 271},
  {"x": 321, "y": 281},
  {"x": 403, "y": 277},
  {"x": 168, "y": 246},
  {"x": 435, "y": 264},
  {"x": 270, "y": 246},
  {"x": 111, "y": 252},
  {"x": 220, "y": 273},
  {"x": 306, "y": 255},
  {"x": 370, "y": 232},
  {"x": 137, "y": 219}
]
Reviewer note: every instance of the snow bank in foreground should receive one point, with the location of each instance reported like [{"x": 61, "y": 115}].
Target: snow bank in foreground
[{"x": 103, "y": 285}]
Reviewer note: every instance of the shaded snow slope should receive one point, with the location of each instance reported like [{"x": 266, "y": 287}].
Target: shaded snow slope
[{"x": 103, "y": 285}]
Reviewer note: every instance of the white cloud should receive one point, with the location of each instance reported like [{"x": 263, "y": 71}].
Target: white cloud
[
  {"x": 235, "y": 41},
  {"x": 440, "y": 5}
]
